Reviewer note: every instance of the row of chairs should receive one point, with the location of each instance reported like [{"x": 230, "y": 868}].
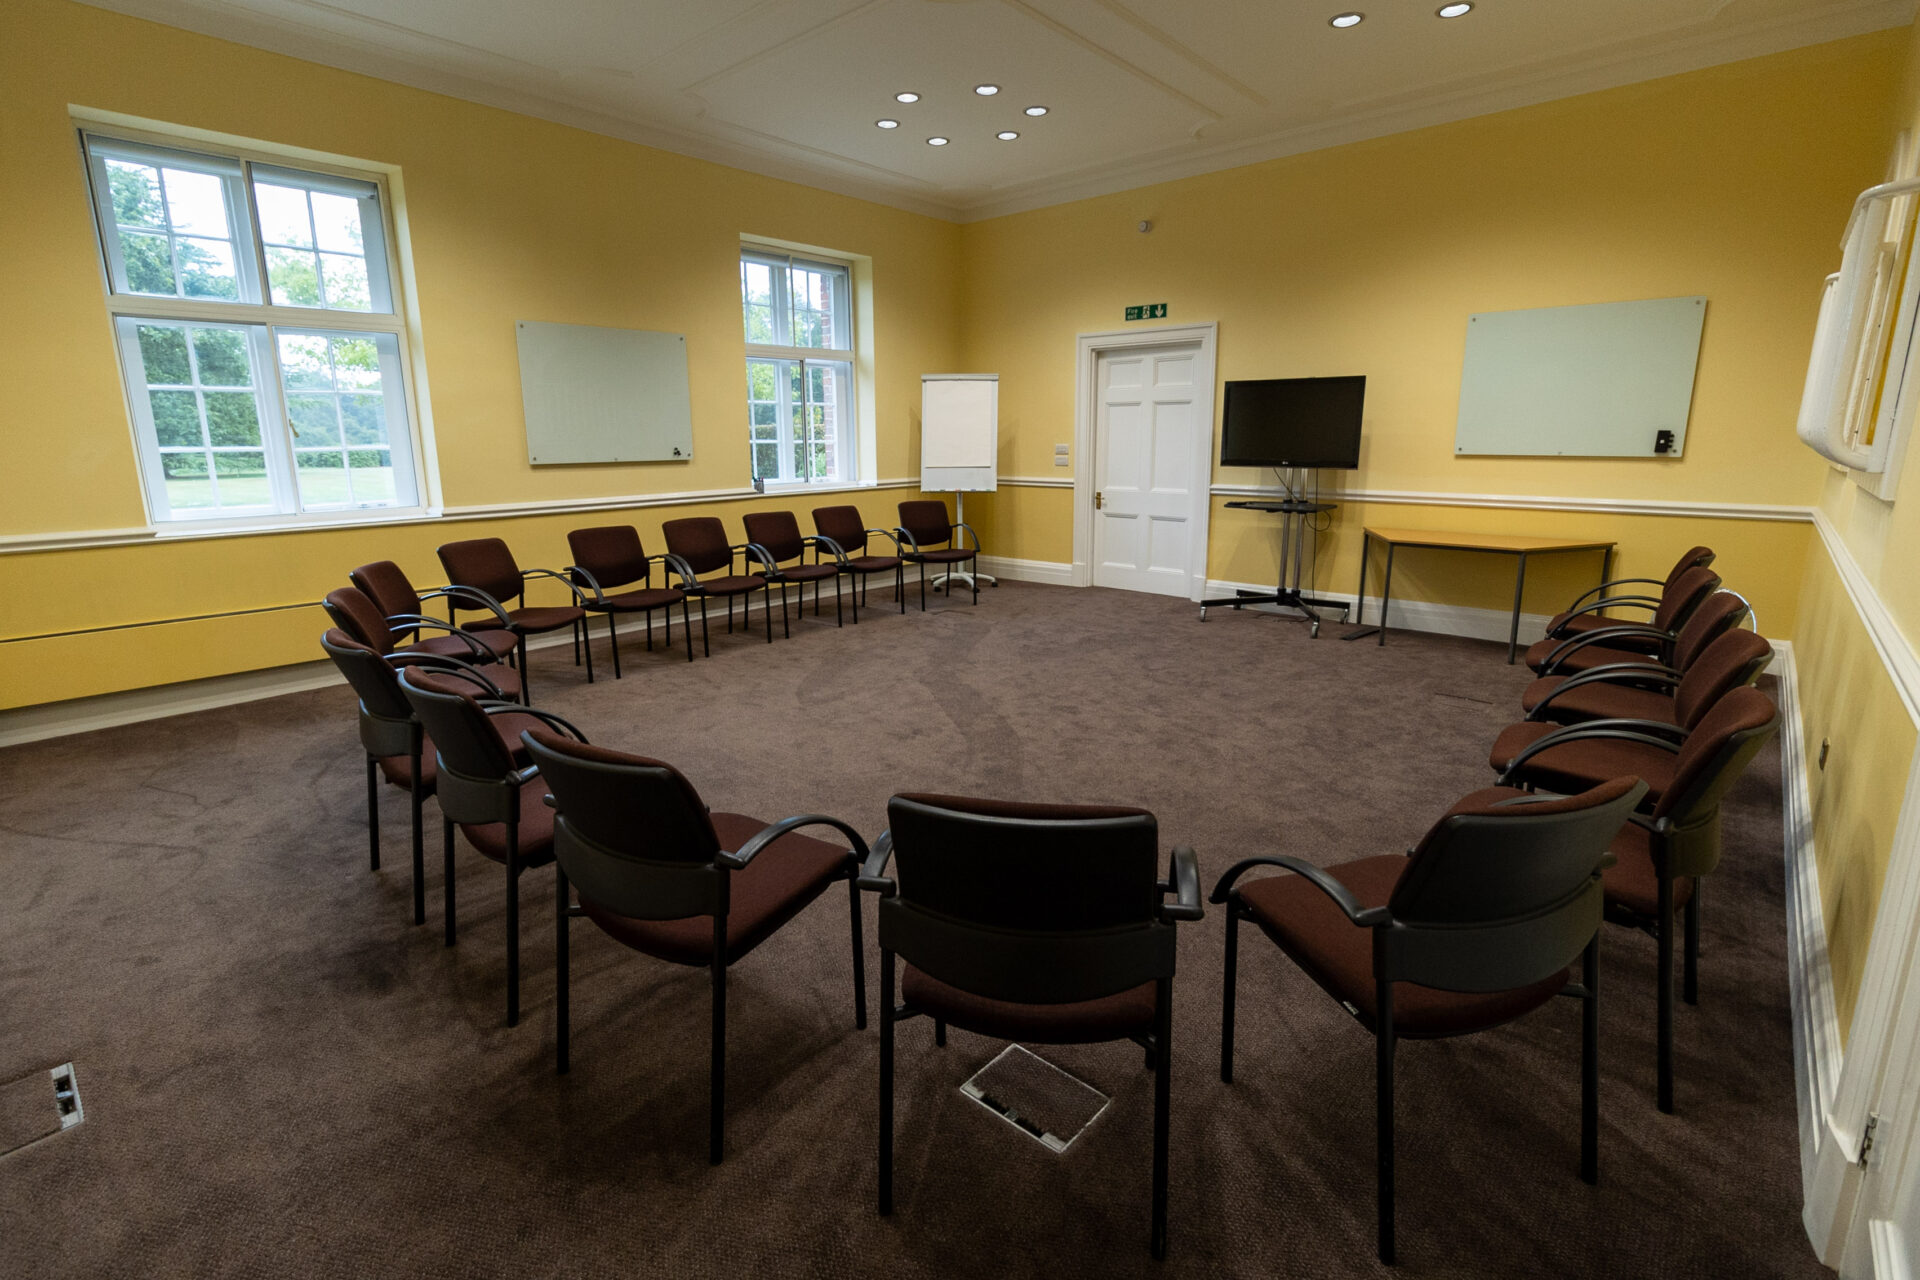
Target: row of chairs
[{"x": 1055, "y": 923}]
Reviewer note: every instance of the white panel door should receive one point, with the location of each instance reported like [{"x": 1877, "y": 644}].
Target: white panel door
[{"x": 1144, "y": 451}]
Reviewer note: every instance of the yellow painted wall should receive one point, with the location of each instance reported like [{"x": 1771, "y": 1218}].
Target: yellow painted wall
[
  {"x": 1731, "y": 182},
  {"x": 509, "y": 218}
]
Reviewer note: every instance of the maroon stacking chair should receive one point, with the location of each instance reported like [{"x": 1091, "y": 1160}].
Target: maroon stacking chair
[
  {"x": 490, "y": 577},
  {"x": 846, "y": 534},
  {"x": 661, "y": 873},
  {"x": 778, "y": 534},
  {"x": 1031, "y": 922},
  {"x": 1590, "y": 656},
  {"x": 611, "y": 556},
  {"x": 699, "y": 546},
  {"x": 396, "y": 746},
  {"x": 924, "y": 528},
  {"x": 1478, "y": 926},
  {"x": 1676, "y": 605},
  {"x": 384, "y": 583},
  {"x": 496, "y": 800},
  {"x": 353, "y": 613},
  {"x": 1568, "y": 758},
  {"x": 1585, "y": 614},
  {"x": 1660, "y": 857},
  {"x": 1628, "y": 692}
]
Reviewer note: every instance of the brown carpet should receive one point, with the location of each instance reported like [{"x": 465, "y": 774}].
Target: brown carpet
[{"x": 282, "y": 1077}]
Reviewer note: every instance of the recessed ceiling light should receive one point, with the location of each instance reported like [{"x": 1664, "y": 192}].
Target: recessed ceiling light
[
  {"x": 1006, "y": 135},
  {"x": 986, "y": 90},
  {"x": 936, "y": 142},
  {"x": 1454, "y": 10},
  {"x": 1344, "y": 20},
  {"x": 1036, "y": 111},
  {"x": 906, "y": 97},
  {"x": 888, "y": 124}
]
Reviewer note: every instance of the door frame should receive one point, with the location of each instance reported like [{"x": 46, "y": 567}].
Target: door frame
[{"x": 1086, "y": 398}]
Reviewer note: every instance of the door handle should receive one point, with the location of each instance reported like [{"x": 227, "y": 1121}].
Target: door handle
[{"x": 1099, "y": 500}]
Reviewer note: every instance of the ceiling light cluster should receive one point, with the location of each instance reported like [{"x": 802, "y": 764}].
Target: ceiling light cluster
[
  {"x": 1353, "y": 17},
  {"x": 983, "y": 90}
]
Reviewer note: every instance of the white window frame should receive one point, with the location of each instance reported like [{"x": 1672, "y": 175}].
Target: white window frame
[
  {"x": 847, "y": 444},
  {"x": 264, "y": 322}
]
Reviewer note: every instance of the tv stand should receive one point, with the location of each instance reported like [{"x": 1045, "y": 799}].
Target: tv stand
[{"x": 1286, "y": 592}]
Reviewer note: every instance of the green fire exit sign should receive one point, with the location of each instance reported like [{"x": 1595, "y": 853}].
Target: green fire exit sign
[{"x": 1151, "y": 311}]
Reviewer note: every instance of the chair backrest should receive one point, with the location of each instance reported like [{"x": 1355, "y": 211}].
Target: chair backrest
[
  {"x": 701, "y": 541},
  {"x": 1735, "y": 659},
  {"x": 844, "y": 525},
  {"x": 927, "y": 520},
  {"x": 1692, "y": 558},
  {"x": 384, "y": 583},
  {"x": 1035, "y": 903},
  {"x": 360, "y": 618},
  {"x": 778, "y": 532},
  {"x": 1718, "y": 614},
  {"x": 485, "y": 563},
  {"x": 1716, "y": 752},
  {"x": 1502, "y": 894},
  {"x": 1678, "y": 602},
  {"x": 611, "y": 553},
  {"x": 369, "y": 675},
  {"x": 462, "y": 734},
  {"x": 630, "y": 832}
]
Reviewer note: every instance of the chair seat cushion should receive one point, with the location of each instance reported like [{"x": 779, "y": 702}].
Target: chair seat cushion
[
  {"x": 780, "y": 881},
  {"x": 1572, "y": 767},
  {"x": 545, "y": 618},
  {"x": 1583, "y": 659},
  {"x": 872, "y": 564},
  {"x": 499, "y": 643},
  {"x": 810, "y": 572},
  {"x": 1114, "y": 1017},
  {"x": 536, "y": 823},
  {"x": 638, "y": 601},
  {"x": 950, "y": 555},
  {"x": 1338, "y": 954},
  {"x": 1632, "y": 882},
  {"x": 1598, "y": 701},
  {"x": 1567, "y": 626},
  {"x": 737, "y": 584}
]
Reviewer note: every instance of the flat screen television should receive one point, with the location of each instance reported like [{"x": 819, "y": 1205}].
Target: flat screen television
[{"x": 1293, "y": 422}]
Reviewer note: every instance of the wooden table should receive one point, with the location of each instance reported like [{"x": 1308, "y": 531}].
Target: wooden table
[{"x": 1498, "y": 543}]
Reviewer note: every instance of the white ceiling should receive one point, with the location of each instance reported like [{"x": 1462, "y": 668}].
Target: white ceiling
[{"x": 1138, "y": 91}]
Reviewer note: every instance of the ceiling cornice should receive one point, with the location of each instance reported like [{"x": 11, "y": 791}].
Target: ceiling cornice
[{"x": 1619, "y": 65}]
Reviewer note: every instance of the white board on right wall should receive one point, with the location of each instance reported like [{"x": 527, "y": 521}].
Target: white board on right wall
[{"x": 1597, "y": 381}]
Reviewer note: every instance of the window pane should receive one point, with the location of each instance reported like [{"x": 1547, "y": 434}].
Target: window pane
[
  {"x": 231, "y": 418},
  {"x": 344, "y": 282},
  {"x": 176, "y": 417},
  {"x": 336, "y": 221},
  {"x": 756, "y": 292},
  {"x": 149, "y": 262},
  {"x": 196, "y": 203},
  {"x": 163, "y": 349},
  {"x": 762, "y": 415},
  {"x": 186, "y": 480},
  {"x": 323, "y": 479},
  {"x": 223, "y": 356},
  {"x": 294, "y": 275},
  {"x": 766, "y": 461},
  {"x": 303, "y": 361},
  {"x": 815, "y": 323},
  {"x": 372, "y": 473},
  {"x": 242, "y": 479},
  {"x": 206, "y": 269},
  {"x": 356, "y": 364},
  {"x": 283, "y": 215},
  {"x": 335, "y": 395},
  {"x": 365, "y": 419},
  {"x": 314, "y": 419},
  {"x": 135, "y": 191}
]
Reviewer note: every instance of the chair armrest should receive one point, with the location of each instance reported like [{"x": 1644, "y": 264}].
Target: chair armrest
[
  {"x": 1640, "y": 731},
  {"x": 738, "y": 860},
  {"x": 577, "y": 574},
  {"x": 415, "y": 621},
  {"x": 545, "y": 717},
  {"x": 688, "y": 580},
  {"x": 1183, "y": 881},
  {"x": 754, "y": 551},
  {"x": 821, "y": 542},
  {"x": 1612, "y": 673},
  {"x": 873, "y": 875},
  {"x": 458, "y": 668},
  {"x": 1617, "y": 582},
  {"x": 454, "y": 592},
  {"x": 888, "y": 535},
  {"x": 1368, "y": 917},
  {"x": 913, "y": 547},
  {"x": 970, "y": 534},
  {"x": 561, "y": 578},
  {"x": 1573, "y": 644}
]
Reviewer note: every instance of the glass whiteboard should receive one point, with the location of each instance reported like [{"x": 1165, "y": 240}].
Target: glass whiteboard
[{"x": 1598, "y": 381}]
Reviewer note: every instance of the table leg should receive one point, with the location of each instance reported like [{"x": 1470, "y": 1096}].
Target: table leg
[
  {"x": 1360, "y": 596},
  {"x": 1519, "y": 585},
  {"x": 1386, "y": 592}
]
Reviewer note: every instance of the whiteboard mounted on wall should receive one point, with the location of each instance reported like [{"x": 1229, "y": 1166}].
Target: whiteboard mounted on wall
[
  {"x": 959, "y": 432},
  {"x": 604, "y": 395},
  {"x": 1598, "y": 381}
]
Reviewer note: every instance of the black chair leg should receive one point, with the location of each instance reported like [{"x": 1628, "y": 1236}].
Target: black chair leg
[
  {"x": 526, "y": 679},
  {"x": 939, "y": 1034},
  {"x": 1383, "y": 1119},
  {"x": 1590, "y": 1064},
  {"x": 417, "y": 803},
  {"x": 717, "y": 1066},
  {"x": 649, "y": 616},
  {"x": 613, "y": 641},
  {"x": 923, "y": 586},
  {"x": 766, "y": 608},
  {"x": 686, "y": 626},
  {"x": 513, "y": 924},
  {"x": 837, "y": 621},
  {"x": 886, "y": 1081},
  {"x": 1162, "y": 1109},
  {"x": 786, "y": 628},
  {"x": 562, "y": 1027},
  {"x": 575, "y": 629},
  {"x": 973, "y": 575},
  {"x": 446, "y": 876},
  {"x": 586, "y": 638},
  {"x": 900, "y": 586},
  {"x": 859, "y": 955},
  {"x": 1690, "y": 965},
  {"x": 1663, "y": 996},
  {"x": 1228, "y": 990},
  {"x": 373, "y": 813}
]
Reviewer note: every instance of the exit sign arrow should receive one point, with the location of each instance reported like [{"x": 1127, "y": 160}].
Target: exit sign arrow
[{"x": 1148, "y": 311}]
